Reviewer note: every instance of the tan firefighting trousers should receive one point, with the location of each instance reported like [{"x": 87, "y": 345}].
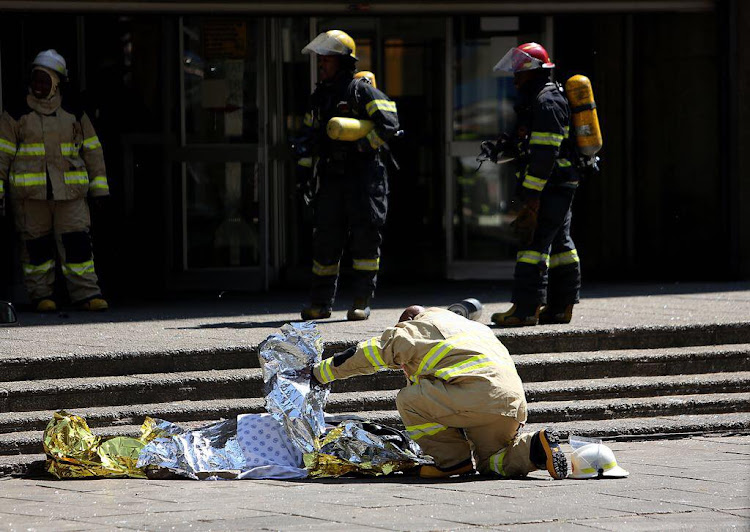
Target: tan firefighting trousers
[
  {"x": 450, "y": 420},
  {"x": 66, "y": 223}
]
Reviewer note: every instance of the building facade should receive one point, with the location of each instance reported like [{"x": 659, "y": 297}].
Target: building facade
[{"x": 195, "y": 102}]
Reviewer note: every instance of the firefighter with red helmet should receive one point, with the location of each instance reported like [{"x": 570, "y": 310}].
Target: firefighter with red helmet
[{"x": 547, "y": 276}]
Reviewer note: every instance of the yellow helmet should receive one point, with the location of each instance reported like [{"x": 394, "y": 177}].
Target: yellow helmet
[
  {"x": 332, "y": 42},
  {"x": 369, "y": 76}
]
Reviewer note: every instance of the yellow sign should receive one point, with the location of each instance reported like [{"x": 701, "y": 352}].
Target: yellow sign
[{"x": 225, "y": 39}]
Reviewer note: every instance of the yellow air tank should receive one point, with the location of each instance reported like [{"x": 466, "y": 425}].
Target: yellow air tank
[
  {"x": 585, "y": 120},
  {"x": 369, "y": 76},
  {"x": 348, "y": 129}
]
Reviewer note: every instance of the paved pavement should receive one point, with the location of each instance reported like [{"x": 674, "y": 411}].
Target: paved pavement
[
  {"x": 702, "y": 483},
  {"x": 237, "y": 322}
]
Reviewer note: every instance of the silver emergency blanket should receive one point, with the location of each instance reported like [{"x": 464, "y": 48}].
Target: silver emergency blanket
[
  {"x": 250, "y": 446},
  {"x": 359, "y": 447},
  {"x": 287, "y": 359}
]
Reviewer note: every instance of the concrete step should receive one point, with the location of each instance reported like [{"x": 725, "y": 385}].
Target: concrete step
[
  {"x": 632, "y": 362},
  {"x": 384, "y": 399},
  {"x": 617, "y": 388},
  {"x": 522, "y": 341},
  {"x": 56, "y": 394},
  {"x": 379, "y": 404}
]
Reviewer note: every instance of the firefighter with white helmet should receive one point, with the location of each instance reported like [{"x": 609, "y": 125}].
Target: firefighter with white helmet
[
  {"x": 464, "y": 399},
  {"x": 351, "y": 182},
  {"x": 50, "y": 161},
  {"x": 547, "y": 276}
]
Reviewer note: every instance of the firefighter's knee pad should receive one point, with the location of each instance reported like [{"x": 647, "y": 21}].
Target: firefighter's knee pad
[
  {"x": 41, "y": 249},
  {"x": 77, "y": 247}
]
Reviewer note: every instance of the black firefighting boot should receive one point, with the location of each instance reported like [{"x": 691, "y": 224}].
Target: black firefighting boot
[
  {"x": 556, "y": 314},
  {"x": 316, "y": 311},
  {"x": 360, "y": 309},
  {"x": 517, "y": 316},
  {"x": 545, "y": 453}
]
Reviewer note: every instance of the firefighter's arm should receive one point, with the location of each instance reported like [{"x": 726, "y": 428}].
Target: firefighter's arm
[
  {"x": 93, "y": 156},
  {"x": 8, "y": 146},
  {"x": 382, "y": 111},
  {"x": 548, "y": 132},
  {"x": 388, "y": 351}
]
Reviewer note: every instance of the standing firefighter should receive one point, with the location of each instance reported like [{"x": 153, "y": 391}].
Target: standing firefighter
[
  {"x": 548, "y": 182},
  {"x": 52, "y": 159},
  {"x": 351, "y": 200},
  {"x": 464, "y": 398}
]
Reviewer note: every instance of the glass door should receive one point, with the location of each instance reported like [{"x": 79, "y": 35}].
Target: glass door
[
  {"x": 479, "y": 202},
  {"x": 222, "y": 154}
]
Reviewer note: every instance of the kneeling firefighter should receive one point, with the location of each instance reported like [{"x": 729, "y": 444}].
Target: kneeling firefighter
[
  {"x": 464, "y": 404},
  {"x": 53, "y": 160},
  {"x": 547, "y": 276},
  {"x": 347, "y": 127}
]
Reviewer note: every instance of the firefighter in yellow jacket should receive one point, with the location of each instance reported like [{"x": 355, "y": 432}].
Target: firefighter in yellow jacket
[
  {"x": 464, "y": 394},
  {"x": 52, "y": 159}
]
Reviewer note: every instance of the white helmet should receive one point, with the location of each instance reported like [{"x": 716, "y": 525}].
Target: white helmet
[
  {"x": 595, "y": 460},
  {"x": 52, "y": 60}
]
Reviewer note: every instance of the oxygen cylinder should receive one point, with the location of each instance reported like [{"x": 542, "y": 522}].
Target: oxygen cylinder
[
  {"x": 585, "y": 120},
  {"x": 348, "y": 129}
]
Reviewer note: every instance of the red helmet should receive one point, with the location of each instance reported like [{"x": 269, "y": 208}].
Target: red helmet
[{"x": 528, "y": 56}]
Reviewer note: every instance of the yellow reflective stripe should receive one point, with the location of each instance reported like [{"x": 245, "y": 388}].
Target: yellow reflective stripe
[
  {"x": 324, "y": 270},
  {"x": 76, "y": 177},
  {"x": 30, "y": 150},
  {"x": 306, "y": 162},
  {"x": 7, "y": 147},
  {"x": 367, "y": 265},
  {"x": 326, "y": 373},
  {"x": 437, "y": 353},
  {"x": 561, "y": 259},
  {"x": 29, "y": 180},
  {"x": 68, "y": 148},
  {"x": 545, "y": 138},
  {"x": 31, "y": 269},
  {"x": 608, "y": 466},
  {"x": 532, "y": 257},
  {"x": 380, "y": 105},
  {"x": 427, "y": 429},
  {"x": 564, "y": 163},
  {"x": 91, "y": 143},
  {"x": 308, "y": 120},
  {"x": 375, "y": 140},
  {"x": 99, "y": 183},
  {"x": 464, "y": 367},
  {"x": 496, "y": 462},
  {"x": 566, "y": 130},
  {"x": 534, "y": 183},
  {"x": 79, "y": 268},
  {"x": 371, "y": 350},
  {"x": 2, "y": 186}
]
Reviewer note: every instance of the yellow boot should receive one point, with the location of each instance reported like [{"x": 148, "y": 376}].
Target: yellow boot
[
  {"x": 46, "y": 305},
  {"x": 513, "y": 318},
  {"x": 96, "y": 304}
]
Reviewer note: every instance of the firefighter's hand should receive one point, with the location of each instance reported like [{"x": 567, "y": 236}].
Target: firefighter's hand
[
  {"x": 99, "y": 203},
  {"x": 363, "y": 145},
  {"x": 524, "y": 225}
]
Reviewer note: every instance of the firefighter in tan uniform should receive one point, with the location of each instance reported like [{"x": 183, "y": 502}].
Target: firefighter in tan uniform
[
  {"x": 464, "y": 394},
  {"x": 50, "y": 160}
]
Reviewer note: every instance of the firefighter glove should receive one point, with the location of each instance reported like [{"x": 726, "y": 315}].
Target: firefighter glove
[{"x": 524, "y": 225}]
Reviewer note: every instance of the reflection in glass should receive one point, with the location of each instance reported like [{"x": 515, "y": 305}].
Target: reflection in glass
[
  {"x": 222, "y": 215},
  {"x": 482, "y": 99},
  {"x": 219, "y": 73},
  {"x": 482, "y": 210}
]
